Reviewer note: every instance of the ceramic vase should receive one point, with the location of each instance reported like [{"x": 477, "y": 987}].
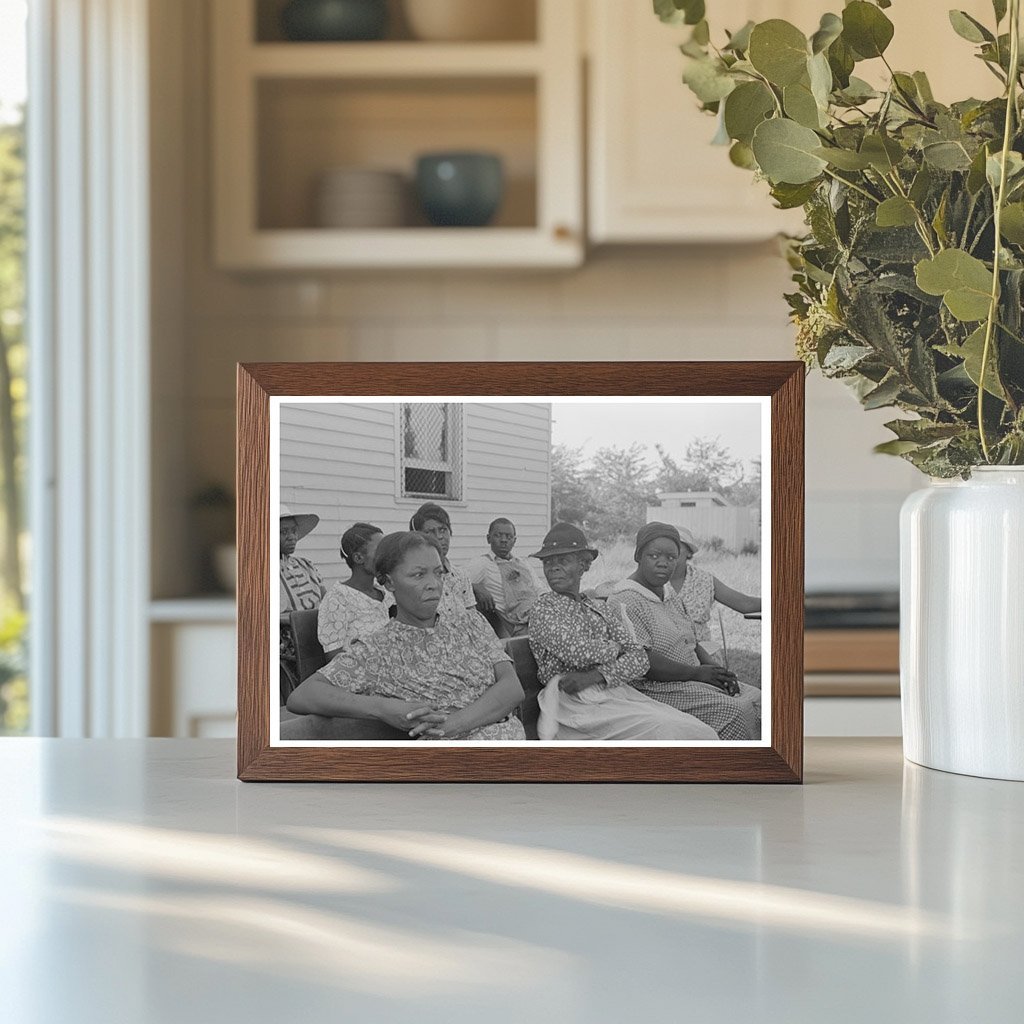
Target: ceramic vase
[{"x": 962, "y": 624}]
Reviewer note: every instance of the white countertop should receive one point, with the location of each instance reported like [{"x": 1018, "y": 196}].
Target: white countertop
[{"x": 144, "y": 885}]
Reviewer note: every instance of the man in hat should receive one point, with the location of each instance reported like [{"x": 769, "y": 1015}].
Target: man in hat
[
  {"x": 588, "y": 659},
  {"x": 302, "y": 587}
]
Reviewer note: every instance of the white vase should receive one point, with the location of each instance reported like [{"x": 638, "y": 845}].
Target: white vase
[{"x": 962, "y": 624}]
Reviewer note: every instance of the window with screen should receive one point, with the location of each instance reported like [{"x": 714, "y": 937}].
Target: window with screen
[{"x": 431, "y": 449}]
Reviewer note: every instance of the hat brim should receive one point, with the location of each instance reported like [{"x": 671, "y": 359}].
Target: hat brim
[
  {"x": 304, "y": 523},
  {"x": 551, "y": 552}
]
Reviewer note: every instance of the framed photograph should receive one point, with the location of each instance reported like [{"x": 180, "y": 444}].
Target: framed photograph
[{"x": 520, "y": 572}]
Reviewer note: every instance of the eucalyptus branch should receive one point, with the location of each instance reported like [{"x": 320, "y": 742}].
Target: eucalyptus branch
[
  {"x": 1000, "y": 198},
  {"x": 855, "y": 187}
]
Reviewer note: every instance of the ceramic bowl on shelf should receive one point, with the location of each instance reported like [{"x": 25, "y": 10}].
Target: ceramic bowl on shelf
[
  {"x": 361, "y": 198},
  {"x": 460, "y": 189},
  {"x": 471, "y": 20},
  {"x": 334, "y": 20}
]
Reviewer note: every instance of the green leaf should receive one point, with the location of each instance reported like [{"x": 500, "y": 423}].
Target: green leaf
[
  {"x": 971, "y": 352},
  {"x": 844, "y": 159},
  {"x": 924, "y": 88},
  {"x": 921, "y": 185},
  {"x": 896, "y": 212},
  {"x": 976, "y": 175},
  {"x": 739, "y": 41},
  {"x": 895, "y": 447},
  {"x": 676, "y": 12},
  {"x": 745, "y": 108},
  {"x": 830, "y": 28},
  {"x": 707, "y": 80},
  {"x": 866, "y": 29},
  {"x": 963, "y": 281},
  {"x": 946, "y": 156},
  {"x": 841, "y": 60},
  {"x": 1011, "y": 226},
  {"x": 785, "y": 152},
  {"x": 778, "y": 50},
  {"x": 742, "y": 155},
  {"x": 800, "y": 105},
  {"x": 968, "y": 28},
  {"x": 789, "y": 197},
  {"x": 885, "y": 394},
  {"x": 820, "y": 75},
  {"x": 883, "y": 153}
]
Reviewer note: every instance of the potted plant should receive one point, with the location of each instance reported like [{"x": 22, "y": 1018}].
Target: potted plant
[{"x": 909, "y": 285}]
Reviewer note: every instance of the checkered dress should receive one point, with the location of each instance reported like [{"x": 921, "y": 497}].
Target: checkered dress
[{"x": 663, "y": 627}]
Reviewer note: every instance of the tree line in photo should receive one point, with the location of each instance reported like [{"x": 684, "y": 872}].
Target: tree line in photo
[
  {"x": 422, "y": 647},
  {"x": 609, "y": 493}
]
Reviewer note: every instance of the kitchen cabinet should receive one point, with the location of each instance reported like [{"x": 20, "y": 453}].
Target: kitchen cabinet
[
  {"x": 286, "y": 113},
  {"x": 653, "y": 175}
]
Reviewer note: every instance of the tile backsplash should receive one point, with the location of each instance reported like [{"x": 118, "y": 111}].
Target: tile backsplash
[{"x": 718, "y": 302}]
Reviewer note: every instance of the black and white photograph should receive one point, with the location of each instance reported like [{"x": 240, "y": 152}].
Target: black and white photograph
[{"x": 520, "y": 570}]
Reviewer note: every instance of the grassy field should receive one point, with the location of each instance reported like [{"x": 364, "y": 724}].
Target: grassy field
[{"x": 741, "y": 572}]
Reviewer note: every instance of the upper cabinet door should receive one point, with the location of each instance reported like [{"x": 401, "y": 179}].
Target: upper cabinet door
[
  {"x": 654, "y": 175},
  {"x": 301, "y": 132}
]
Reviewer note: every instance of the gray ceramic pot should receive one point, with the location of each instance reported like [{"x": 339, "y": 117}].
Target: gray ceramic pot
[
  {"x": 334, "y": 20},
  {"x": 460, "y": 189}
]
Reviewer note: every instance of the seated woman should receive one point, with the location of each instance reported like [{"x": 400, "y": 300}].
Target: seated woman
[
  {"x": 302, "y": 589},
  {"x": 357, "y": 607},
  {"x": 457, "y": 597},
  {"x": 595, "y": 657},
  {"x": 696, "y": 590},
  {"x": 431, "y": 676},
  {"x": 681, "y": 673}
]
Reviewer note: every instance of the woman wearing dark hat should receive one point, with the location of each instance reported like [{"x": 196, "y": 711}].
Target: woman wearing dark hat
[
  {"x": 457, "y": 597},
  {"x": 681, "y": 673},
  {"x": 588, "y": 660},
  {"x": 302, "y": 587}
]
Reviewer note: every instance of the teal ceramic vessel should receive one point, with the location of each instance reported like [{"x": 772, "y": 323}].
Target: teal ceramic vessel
[
  {"x": 460, "y": 189},
  {"x": 332, "y": 21}
]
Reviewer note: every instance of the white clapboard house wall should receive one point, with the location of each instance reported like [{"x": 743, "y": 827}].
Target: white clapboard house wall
[{"x": 377, "y": 462}]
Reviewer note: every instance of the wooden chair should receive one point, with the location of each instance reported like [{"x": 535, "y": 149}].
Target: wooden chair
[
  {"x": 308, "y": 652},
  {"x": 525, "y": 664}
]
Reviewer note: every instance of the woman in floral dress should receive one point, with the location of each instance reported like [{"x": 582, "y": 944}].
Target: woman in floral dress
[
  {"x": 430, "y": 675},
  {"x": 695, "y": 590},
  {"x": 457, "y": 597},
  {"x": 357, "y": 607},
  {"x": 681, "y": 672}
]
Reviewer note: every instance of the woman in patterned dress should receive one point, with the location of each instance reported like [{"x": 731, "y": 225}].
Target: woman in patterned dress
[
  {"x": 302, "y": 589},
  {"x": 681, "y": 673},
  {"x": 357, "y": 607},
  {"x": 588, "y": 660},
  {"x": 425, "y": 673},
  {"x": 696, "y": 590},
  {"x": 457, "y": 597}
]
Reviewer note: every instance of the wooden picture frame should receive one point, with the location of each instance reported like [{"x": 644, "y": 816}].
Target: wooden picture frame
[{"x": 779, "y": 759}]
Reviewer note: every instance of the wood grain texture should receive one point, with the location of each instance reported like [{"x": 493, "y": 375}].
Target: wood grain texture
[
  {"x": 781, "y": 762},
  {"x": 852, "y": 650}
]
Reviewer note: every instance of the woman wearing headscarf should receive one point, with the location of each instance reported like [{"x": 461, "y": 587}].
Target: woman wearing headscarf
[
  {"x": 589, "y": 662},
  {"x": 457, "y": 597},
  {"x": 681, "y": 673},
  {"x": 431, "y": 676},
  {"x": 302, "y": 588},
  {"x": 356, "y": 607}
]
